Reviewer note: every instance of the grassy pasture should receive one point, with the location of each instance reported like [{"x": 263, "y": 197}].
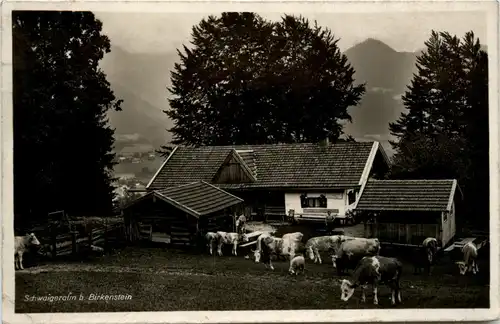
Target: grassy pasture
[{"x": 161, "y": 280}]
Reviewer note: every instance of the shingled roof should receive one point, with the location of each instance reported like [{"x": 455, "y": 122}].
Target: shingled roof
[
  {"x": 197, "y": 198},
  {"x": 407, "y": 195},
  {"x": 303, "y": 165}
]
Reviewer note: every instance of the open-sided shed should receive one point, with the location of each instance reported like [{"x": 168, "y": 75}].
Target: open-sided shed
[
  {"x": 182, "y": 212},
  {"x": 405, "y": 212}
]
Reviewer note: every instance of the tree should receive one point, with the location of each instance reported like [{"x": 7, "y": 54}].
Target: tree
[
  {"x": 444, "y": 132},
  {"x": 246, "y": 80},
  {"x": 62, "y": 142}
]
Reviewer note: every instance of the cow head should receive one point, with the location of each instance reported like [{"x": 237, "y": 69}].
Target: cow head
[
  {"x": 310, "y": 253},
  {"x": 334, "y": 260},
  {"x": 33, "y": 240},
  {"x": 256, "y": 255},
  {"x": 462, "y": 267},
  {"x": 346, "y": 289}
]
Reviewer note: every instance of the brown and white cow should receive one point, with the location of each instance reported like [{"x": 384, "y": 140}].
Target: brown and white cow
[
  {"x": 351, "y": 251},
  {"x": 374, "y": 270},
  {"x": 469, "y": 263},
  {"x": 291, "y": 243},
  {"x": 211, "y": 238},
  {"x": 318, "y": 244},
  {"x": 287, "y": 246},
  {"x": 425, "y": 255},
  {"x": 230, "y": 239},
  {"x": 21, "y": 245}
]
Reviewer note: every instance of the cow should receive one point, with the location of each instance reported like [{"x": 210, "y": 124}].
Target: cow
[
  {"x": 289, "y": 245},
  {"x": 21, "y": 245},
  {"x": 297, "y": 264},
  {"x": 230, "y": 238},
  {"x": 425, "y": 255},
  {"x": 269, "y": 245},
  {"x": 351, "y": 251},
  {"x": 241, "y": 224},
  {"x": 374, "y": 270},
  {"x": 319, "y": 244},
  {"x": 211, "y": 239},
  {"x": 469, "y": 263}
]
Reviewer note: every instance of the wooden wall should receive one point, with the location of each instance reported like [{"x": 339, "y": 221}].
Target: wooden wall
[
  {"x": 232, "y": 172},
  {"x": 409, "y": 228},
  {"x": 183, "y": 228},
  {"x": 163, "y": 218}
]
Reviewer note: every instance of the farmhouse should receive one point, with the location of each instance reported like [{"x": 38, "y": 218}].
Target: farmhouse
[
  {"x": 405, "y": 212},
  {"x": 309, "y": 181}
]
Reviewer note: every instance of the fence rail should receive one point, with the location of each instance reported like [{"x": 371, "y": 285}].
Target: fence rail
[{"x": 76, "y": 242}]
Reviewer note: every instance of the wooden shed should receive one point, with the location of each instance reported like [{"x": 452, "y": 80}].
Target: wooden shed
[
  {"x": 182, "y": 213},
  {"x": 405, "y": 212}
]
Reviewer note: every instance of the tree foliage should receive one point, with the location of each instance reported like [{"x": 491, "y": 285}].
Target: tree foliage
[
  {"x": 444, "y": 132},
  {"x": 62, "y": 142},
  {"x": 246, "y": 80}
]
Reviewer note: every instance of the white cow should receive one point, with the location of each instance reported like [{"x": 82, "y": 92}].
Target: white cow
[
  {"x": 297, "y": 264},
  {"x": 469, "y": 263},
  {"x": 291, "y": 243},
  {"x": 230, "y": 238},
  {"x": 21, "y": 244},
  {"x": 211, "y": 239},
  {"x": 319, "y": 244},
  {"x": 287, "y": 246},
  {"x": 351, "y": 251}
]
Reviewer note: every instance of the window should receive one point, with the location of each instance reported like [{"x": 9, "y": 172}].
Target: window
[
  {"x": 313, "y": 202},
  {"x": 351, "y": 198}
]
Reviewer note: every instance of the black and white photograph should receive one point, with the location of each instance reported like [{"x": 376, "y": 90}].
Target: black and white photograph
[{"x": 300, "y": 159}]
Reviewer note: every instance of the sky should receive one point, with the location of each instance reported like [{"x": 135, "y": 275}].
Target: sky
[{"x": 403, "y": 31}]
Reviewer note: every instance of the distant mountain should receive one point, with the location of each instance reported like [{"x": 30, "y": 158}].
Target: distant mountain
[
  {"x": 140, "y": 79},
  {"x": 386, "y": 73}
]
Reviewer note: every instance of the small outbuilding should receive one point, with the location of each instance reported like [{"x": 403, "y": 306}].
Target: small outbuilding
[
  {"x": 182, "y": 213},
  {"x": 405, "y": 212}
]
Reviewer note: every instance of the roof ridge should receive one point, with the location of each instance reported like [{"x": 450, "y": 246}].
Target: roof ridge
[{"x": 224, "y": 191}]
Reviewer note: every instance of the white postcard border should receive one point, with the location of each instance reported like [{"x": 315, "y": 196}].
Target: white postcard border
[{"x": 491, "y": 10}]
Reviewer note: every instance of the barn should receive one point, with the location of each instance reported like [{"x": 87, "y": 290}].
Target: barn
[
  {"x": 405, "y": 212},
  {"x": 180, "y": 214},
  {"x": 309, "y": 181}
]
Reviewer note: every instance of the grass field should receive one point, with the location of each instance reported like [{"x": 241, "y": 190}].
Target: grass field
[{"x": 160, "y": 280}]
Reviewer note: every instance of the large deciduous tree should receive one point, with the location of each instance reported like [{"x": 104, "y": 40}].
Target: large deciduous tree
[
  {"x": 62, "y": 142},
  {"x": 444, "y": 132},
  {"x": 246, "y": 80}
]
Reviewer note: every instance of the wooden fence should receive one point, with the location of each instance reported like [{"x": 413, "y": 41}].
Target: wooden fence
[{"x": 76, "y": 242}]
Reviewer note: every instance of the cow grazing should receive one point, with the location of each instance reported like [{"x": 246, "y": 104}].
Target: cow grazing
[
  {"x": 21, "y": 245},
  {"x": 469, "y": 264},
  {"x": 352, "y": 251},
  {"x": 211, "y": 239},
  {"x": 374, "y": 270},
  {"x": 425, "y": 255},
  {"x": 231, "y": 239},
  {"x": 297, "y": 264},
  {"x": 319, "y": 244}
]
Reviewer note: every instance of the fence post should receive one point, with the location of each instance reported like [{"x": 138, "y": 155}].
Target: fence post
[
  {"x": 53, "y": 235},
  {"x": 90, "y": 240},
  {"x": 73, "y": 242},
  {"x": 105, "y": 234}
]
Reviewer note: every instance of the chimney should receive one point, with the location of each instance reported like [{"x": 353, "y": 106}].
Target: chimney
[{"x": 324, "y": 142}]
